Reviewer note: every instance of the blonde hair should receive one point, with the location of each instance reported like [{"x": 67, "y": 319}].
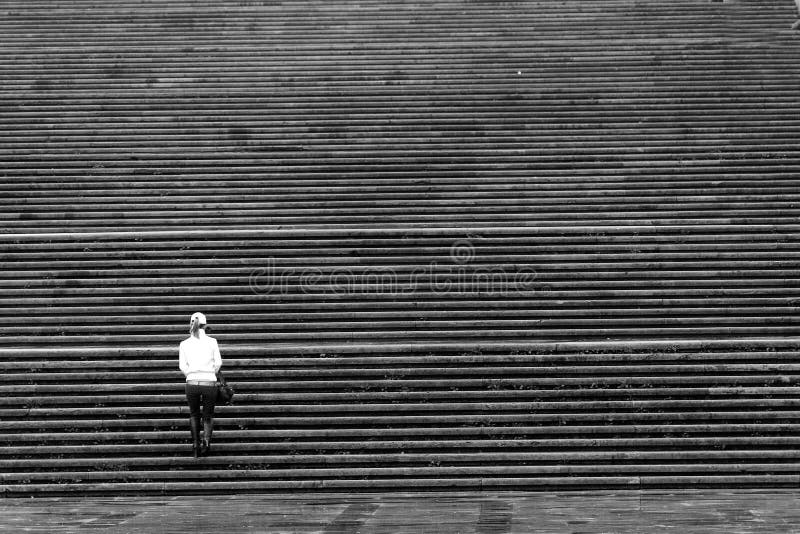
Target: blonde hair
[{"x": 195, "y": 325}]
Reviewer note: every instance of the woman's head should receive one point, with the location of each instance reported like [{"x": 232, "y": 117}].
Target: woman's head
[{"x": 197, "y": 322}]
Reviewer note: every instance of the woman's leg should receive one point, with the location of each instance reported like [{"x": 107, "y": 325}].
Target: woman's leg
[
  {"x": 193, "y": 396},
  {"x": 209, "y": 403}
]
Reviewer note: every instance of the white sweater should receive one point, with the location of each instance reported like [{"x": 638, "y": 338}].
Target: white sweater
[{"x": 199, "y": 358}]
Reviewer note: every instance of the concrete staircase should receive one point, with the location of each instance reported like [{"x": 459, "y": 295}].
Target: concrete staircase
[{"x": 446, "y": 246}]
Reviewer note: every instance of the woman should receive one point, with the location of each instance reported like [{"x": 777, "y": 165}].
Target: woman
[{"x": 200, "y": 360}]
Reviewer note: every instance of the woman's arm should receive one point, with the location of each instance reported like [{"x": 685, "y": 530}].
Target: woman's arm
[
  {"x": 217, "y": 357},
  {"x": 183, "y": 361}
]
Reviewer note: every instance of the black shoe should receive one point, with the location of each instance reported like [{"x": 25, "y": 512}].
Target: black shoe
[{"x": 205, "y": 448}]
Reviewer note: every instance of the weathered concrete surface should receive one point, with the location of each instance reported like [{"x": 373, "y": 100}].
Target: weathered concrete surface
[{"x": 524, "y": 513}]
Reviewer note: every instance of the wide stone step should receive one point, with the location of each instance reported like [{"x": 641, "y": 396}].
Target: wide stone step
[
  {"x": 221, "y": 459},
  {"x": 531, "y": 483},
  {"x": 264, "y": 427},
  {"x": 786, "y": 469}
]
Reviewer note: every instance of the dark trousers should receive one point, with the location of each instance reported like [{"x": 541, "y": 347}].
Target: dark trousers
[{"x": 201, "y": 396}]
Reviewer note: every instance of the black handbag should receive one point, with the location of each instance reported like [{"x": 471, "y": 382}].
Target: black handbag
[{"x": 224, "y": 391}]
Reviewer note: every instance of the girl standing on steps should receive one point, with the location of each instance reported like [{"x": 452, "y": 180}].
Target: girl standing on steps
[{"x": 199, "y": 359}]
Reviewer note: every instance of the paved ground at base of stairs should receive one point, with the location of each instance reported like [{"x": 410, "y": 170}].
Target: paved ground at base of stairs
[{"x": 726, "y": 512}]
